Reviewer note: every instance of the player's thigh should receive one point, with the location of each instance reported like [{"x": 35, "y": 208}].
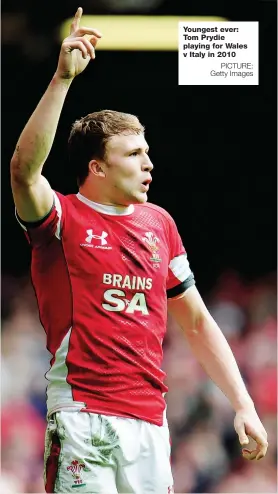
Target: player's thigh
[
  {"x": 128, "y": 477},
  {"x": 78, "y": 455},
  {"x": 155, "y": 464},
  {"x": 143, "y": 458}
]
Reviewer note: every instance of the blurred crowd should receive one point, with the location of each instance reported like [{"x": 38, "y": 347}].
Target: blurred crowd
[{"x": 206, "y": 456}]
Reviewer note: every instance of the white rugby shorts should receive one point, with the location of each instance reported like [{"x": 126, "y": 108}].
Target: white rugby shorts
[{"x": 92, "y": 453}]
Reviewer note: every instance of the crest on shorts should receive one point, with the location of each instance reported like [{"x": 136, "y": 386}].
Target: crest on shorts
[
  {"x": 152, "y": 242},
  {"x": 76, "y": 469}
]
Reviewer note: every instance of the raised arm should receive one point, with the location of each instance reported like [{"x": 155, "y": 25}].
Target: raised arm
[{"x": 31, "y": 191}]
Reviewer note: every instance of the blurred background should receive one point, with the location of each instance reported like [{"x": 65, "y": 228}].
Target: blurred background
[{"x": 215, "y": 161}]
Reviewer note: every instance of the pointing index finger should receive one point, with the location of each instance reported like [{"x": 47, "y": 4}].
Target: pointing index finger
[{"x": 76, "y": 20}]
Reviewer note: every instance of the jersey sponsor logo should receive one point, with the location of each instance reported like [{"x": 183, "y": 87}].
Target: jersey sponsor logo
[
  {"x": 76, "y": 468},
  {"x": 116, "y": 300},
  {"x": 152, "y": 240},
  {"x": 131, "y": 282},
  {"x": 96, "y": 241}
]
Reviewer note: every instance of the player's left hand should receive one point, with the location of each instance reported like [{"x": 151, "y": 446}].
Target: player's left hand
[{"x": 247, "y": 423}]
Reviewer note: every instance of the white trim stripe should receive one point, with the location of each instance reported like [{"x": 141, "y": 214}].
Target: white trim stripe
[
  {"x": 180, "y": 267},
  {"x": 59, "y": 392},
  {"x": 58, "y": 207}
]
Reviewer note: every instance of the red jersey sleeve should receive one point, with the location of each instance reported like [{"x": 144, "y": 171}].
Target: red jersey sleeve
[
  {"x": 180, "y": 276},
  {"x": 43, "y": 230}
]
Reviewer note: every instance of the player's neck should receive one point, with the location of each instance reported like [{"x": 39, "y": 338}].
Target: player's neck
[{"x": 95, "y": 198}]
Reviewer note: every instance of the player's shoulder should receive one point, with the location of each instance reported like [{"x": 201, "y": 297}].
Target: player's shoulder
[
  {"x": 156, "y": 210},
  {"x": 68, "y": 204},
  {"x": 64, "y": 197},
  {"x": 67, "y": 199}
]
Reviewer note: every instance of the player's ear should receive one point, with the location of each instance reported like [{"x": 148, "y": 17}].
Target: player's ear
[{"x": 96, "y": 168}]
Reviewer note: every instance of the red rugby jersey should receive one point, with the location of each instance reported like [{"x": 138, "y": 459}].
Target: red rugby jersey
[{"x": 102, "y": 279}]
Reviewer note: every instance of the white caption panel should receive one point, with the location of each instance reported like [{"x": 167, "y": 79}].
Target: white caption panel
[{"x": 218, "y": 53}]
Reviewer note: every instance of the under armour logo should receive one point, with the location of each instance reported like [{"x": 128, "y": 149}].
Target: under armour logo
[{"x": 101, "y": 237}]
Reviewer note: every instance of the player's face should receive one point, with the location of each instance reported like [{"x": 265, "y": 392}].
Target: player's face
[{"x": 128, "y": 168}]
